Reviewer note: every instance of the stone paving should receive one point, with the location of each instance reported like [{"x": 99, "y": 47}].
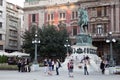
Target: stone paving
[{"x": 39, "y": 75}]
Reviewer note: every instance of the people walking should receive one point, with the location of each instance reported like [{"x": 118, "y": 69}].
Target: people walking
[
  {"x": 23, "y": 65},
  {"x": 86, "y": 62},
  {"x": 50, "y": 67},
  {"x": 27, "y": 66},
  {"x": 102, "y": 67},
  {"x": 70, "y": 68},
  {"x": 53, "y": 63},
  {"x": 85, "y": 69},
  {"x": 45, "y": 66},
  {"x": 57, "y": 66}
]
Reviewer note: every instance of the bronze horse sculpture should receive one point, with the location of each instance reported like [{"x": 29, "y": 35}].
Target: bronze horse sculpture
[{"x": 83, "y": 20}]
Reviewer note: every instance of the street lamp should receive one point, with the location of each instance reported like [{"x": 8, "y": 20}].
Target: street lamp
[
  {"x": 111, "y": 40},
  {"x": 35, "y": 41},
  {"x": 67, "y": 45}
]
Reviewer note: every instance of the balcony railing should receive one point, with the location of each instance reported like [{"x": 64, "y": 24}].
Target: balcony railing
[{"x": 48, "y": 3}]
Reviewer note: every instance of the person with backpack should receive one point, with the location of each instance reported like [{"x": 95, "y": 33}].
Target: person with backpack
[
  {"x": 70, "y": 68},
  {"x": 58, "y": 65}
]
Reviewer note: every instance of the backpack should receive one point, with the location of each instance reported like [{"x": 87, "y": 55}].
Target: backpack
[{"x": 71, "y": 65}]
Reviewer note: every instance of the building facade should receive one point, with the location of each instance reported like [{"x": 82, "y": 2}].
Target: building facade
[
  {"x": 13, "y": 27},
  {"x": 2, "y": 23},
  {"x": 104, "y": 16}
]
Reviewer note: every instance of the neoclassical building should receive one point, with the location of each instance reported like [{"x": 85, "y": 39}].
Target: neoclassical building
[{"x": 104, "y": 17}]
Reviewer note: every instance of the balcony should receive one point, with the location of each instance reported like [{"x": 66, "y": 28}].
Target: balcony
[{"x": 99, "y": 37}]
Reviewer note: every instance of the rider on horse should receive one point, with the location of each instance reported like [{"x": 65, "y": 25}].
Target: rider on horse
[{"x": 83, "y": 20}]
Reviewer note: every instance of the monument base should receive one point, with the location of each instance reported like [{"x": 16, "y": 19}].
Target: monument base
[
  {"x": 82, "y": 49},
  {"x": 35, "y": 67}
]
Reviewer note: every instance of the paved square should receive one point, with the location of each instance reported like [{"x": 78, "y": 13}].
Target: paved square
[{"x": 39, "y": 75}]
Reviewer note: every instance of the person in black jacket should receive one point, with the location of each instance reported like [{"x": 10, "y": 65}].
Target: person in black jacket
[
  {"x": 86, "y": 69},
  {"x": 19, "y": 65},
  {"x": 102, "y": 67}
]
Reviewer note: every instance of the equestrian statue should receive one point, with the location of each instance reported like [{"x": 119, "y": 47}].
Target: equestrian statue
[{"x": 83, "y": 20}]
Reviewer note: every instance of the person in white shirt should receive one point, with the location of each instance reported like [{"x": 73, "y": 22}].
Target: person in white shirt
[
  {"x": 53, "y": 63},
  {"x": 45, "y": 66}
]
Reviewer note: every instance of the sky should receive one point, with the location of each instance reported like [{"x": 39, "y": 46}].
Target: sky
[{"x": 17, "y": 2}]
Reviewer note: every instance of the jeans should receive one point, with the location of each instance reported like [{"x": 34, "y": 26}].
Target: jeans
[
  {"x": 57, "y": 72},
  {"x": 86, "y": 71}
]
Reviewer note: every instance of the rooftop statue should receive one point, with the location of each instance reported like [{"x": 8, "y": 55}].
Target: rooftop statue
[{"x": 83, "y": 20}]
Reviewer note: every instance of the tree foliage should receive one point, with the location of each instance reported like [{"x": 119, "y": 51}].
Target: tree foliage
[
  {"x": 117, "y": 52},
  {"x": 52, "y": 41}
]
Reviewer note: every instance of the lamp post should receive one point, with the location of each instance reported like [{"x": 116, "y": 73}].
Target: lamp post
[
  {"x": 111, "y": 40},
  {"x": 35, "y": 41},
  {"x": 67, "y": 45}
]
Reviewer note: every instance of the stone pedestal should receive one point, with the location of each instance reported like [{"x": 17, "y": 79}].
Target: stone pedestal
[
  {"x": 112, "y": 70},
  {"x": 107, "y": 71},
  {"x": 84, "y": 39},
  {"x": 35, "y": 67},
  {"x": 84, "y": 44}
]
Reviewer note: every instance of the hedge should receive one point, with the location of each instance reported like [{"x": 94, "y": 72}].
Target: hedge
[
  {"x": 3, "y": 59},
  {"x": 5, "y": 66}
]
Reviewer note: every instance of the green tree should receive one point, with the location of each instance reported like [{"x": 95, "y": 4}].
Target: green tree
[
  {"x": 52, "y": 41},
  {"x": 117, "y": 52},
  {"x": 28, "y": 38}
]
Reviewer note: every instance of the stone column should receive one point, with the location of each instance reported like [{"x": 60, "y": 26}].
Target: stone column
[{"x": 117, "y": 17}]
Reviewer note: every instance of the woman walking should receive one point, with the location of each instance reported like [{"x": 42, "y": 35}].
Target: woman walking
[{"x": 70, "y": 68}]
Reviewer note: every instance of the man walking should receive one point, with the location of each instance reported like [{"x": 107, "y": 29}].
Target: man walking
[
  {"x": 102, "y": 67},
  {"x": 57, "y": 66},
  {"x": 85, "y": 70}
]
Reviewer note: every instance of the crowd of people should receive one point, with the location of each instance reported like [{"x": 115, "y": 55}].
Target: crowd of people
[
  {"x": 54, "y": 65},
  {"x": 23, "y": 65},
  {"x": 51, "y": 65},
  {"x": 86, "y": 62}
]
